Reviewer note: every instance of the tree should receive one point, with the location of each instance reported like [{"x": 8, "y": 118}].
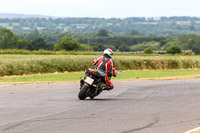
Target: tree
[
  {"x": 148, "y": 51},
  {"x": 111, "y": 47},
  {"x": 49, "y": 46},
  {"x": 190, "y": 42},
  {"x": 174, "y": 49},
  {"x": 117, "y": 43},
  {"x": 139, "y": 47},
  {"x": 103, "y": 33},
  {"x": 34, "y": 34},
  {"x": 193, "y": 44},
  {"x": 85, "y": 47},
  {"x": 99, "y": 47},
  {"x": 67, "y": 43},
  {"x": 7, "y": 39},
  {"x": 134, "y": 33},
  {"x": 22, "y": 43},
  {"x": 124, "y": 48},
  {"x": 38, "y": 43},
  {"x": 163, "y": 42}
]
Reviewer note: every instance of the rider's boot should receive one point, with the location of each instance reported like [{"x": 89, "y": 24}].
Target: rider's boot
[{"x": 106, "y": 88}]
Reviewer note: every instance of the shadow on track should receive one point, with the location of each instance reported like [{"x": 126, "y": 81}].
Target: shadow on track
[{"x": 103, "y": 99}]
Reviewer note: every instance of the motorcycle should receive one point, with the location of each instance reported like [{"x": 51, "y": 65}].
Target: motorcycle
[{"x": 91, "y": 85}]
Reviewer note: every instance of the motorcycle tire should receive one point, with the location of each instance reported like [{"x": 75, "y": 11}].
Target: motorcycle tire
[
  {"x": 92, "y": 97},
  {"x": 83, "y": 93}
]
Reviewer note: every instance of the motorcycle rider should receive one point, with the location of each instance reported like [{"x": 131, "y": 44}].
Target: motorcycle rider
[{"x": 106, "y": 68}]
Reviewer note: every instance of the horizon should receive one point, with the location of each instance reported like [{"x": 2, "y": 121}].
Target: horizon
[{"x": 47, "y": 16}]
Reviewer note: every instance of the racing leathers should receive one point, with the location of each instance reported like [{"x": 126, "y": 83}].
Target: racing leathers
[{"x": 105, "y": 67}]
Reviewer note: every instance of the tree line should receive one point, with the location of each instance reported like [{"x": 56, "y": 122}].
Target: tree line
[
  {"x": 98, "y": 41},
  {"x": 145, "y": 26}
]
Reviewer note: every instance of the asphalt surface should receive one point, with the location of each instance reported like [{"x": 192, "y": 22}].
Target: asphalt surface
[{"x": 169, "y": 106}]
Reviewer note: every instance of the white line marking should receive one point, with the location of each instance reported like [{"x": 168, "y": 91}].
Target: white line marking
[{"x": 193, "y": 130}]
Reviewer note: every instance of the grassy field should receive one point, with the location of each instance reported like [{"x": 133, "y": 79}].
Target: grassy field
[
  {"x": 17, "y": 64},
  {"x": 126, "y": 75}
]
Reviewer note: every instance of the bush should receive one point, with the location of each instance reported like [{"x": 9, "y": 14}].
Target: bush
[
  {"x": 174, "y": 50},
  {"x": 67, "y": 43},
  {"x": 188, "y": 53},
  {"x": 148, "y": 51}
]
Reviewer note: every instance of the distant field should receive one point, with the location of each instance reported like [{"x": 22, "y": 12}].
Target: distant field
[{"x": 33, "y": 64}]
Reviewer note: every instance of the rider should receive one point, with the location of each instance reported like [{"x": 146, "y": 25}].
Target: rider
[{"x": 106, "y": 67}]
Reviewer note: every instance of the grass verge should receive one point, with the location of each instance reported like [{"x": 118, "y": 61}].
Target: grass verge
[{"x": 126, "y": 75}]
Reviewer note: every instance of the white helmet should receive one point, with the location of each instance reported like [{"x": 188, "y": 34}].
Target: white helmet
[{"x": 109, "y": 52}]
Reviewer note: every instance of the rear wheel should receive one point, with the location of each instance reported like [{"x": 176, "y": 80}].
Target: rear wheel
[
  {"x": 92, "y": 97},
  {"x": 83, "y": 93}
]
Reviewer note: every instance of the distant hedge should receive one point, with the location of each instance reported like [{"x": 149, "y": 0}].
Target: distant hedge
[
  {"x": 46, "y": 52},
  {"x": 32, "y": 64}
]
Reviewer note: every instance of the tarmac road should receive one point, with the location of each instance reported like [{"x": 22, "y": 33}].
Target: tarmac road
[{"x": 168, "y": 106}]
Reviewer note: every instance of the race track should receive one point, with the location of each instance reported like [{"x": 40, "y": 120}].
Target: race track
[{"x": 168, "y": 106}]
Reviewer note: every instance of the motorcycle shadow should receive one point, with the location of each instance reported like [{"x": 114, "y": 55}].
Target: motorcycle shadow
[{"x": 102, "y": 99}]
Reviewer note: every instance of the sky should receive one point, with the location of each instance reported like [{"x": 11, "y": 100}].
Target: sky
[{"x": 102, "y": 8}]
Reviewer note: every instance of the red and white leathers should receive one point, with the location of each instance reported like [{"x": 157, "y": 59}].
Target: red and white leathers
[{"x": 105, "y": 67}]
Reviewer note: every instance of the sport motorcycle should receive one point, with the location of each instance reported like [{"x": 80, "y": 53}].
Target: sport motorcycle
[{"x": 92, "y": 85}]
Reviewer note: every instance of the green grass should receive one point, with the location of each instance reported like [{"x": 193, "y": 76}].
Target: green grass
[
  {"x": 44, "y": 77},
  {"x": 75, "y": 76},
  {"x": 153, "y": 74}
]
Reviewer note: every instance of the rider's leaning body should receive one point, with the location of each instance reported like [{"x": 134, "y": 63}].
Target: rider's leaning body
[{"x": 105, "y": 67}]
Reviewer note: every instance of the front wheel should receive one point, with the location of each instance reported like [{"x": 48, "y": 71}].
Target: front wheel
[{"x": 83, "y": 93}]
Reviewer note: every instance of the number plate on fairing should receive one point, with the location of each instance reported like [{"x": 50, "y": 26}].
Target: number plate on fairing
[{"x": 89, "y": 80}]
